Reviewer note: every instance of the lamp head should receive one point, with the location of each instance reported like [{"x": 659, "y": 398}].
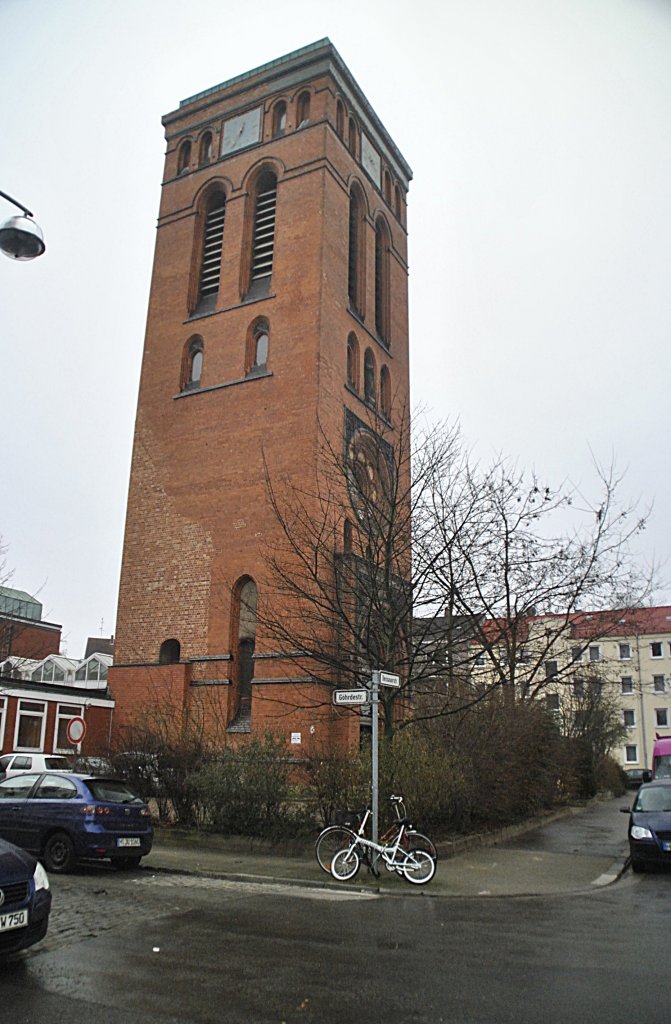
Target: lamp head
[{"x": 21, "y": 238}]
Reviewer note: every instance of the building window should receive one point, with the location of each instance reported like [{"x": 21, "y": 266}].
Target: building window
[
  {"x": 662, "y": 717},
  {"x": 382, "y": 244},
  {"x": 355, "y": 277},
  {"x": 369, "y": 377},
  {"x": 631, "y": 753},
  {"x": 93, "y": 670},
  {"x": 656, "y": 649},
  {"x": 629, "y": 718},
  {"x": 594, "y": 652},
  {"x": 205, "y": 153},
  {"x": 192, "y": 370},
  {"x": 353, "y": 362},
  {"x": 578, "y": 687},
  {"x": 169, "y": 653},
  {"x": 64, "y": 715},
  {"x": 625, "y": 652},
  {"x": 659, "y": 684},
  {"x": 552, "y": 701},
  {"x": 627, "y": 684},
  {"x": 340, "y": 119},
  {"x": 397, "y": 201},
  {"x": 347, "y": 538},
  {"x": 279, "y": 119},
  {"x": 303, "y": 109},
  {"x": 31, "y": 720},
  {"x": 385, "y": 393},
  {"x": 352, "y": 137},
  {"x": 576, "y": 654},
  {"x": 213, "y": 237},
  {"x": 184, "y": 157},
  {"x": 244, "y": 628},
  {"x": 387, "y": 187},
  {"x": 551, "y": 670},
  {"x": 263, "y": 239},
  {"x": 258, "y": 343}
]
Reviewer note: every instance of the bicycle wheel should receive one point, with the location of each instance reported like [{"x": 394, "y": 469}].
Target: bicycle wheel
[
  {"x": 332, "y": 839},
  {"x": 345, "y": 864},
  {"x": 419, "y": 867},
  {"x": 418, "y": 841}
]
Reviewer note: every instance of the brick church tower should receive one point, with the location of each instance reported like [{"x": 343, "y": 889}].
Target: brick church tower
[{"x": 278, "y": 310}]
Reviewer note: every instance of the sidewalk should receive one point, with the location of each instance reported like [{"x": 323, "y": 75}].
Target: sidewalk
[{"x": 476, "y": 870}]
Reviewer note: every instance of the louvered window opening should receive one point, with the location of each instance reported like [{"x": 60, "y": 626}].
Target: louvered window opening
[
  {"x": 264, "y": 232},
  {"x": 352, "y": 284},
  {"x": 212, "y": 242}
]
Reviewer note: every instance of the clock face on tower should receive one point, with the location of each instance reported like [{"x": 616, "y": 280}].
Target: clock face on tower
[{"x": 240, "y": 131}]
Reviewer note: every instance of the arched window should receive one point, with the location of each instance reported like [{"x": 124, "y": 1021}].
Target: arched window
[
  {"x": 353, "y": 362},
  {"x": 244, "y": 631},
  {"x": 352, "y": 139},
  {"x": 258, "y": 342},
  {"x": 356, "y": 269},
  {"x": 387, "y": 187},
  {"x": 205, "y": 154},
  {"x": 385, "y": 392},
  {"x": 279, "y": 119},
  {"x": 340, "y": 119},
  {"x": 303, "y": 109},
  {"x": 369, "y": 377},
  {"x": 397, "y": 200},
  {"x": 213, "y": 237},
  {"x": 382, "y": 243},
  {"x": 184, "y": 157},
  {"x": 169, "y": 653},
  {"x": 263, "y": 235},
  {"x": 193, "y": 364}
]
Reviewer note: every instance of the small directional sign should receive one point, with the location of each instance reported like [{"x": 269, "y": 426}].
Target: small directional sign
[
  {"x": 390, "y": 679},
  {"x": 349, "y": 697}
]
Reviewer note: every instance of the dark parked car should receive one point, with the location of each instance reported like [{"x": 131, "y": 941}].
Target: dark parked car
[
  {"x": 633, "y": 777},
  {"x": 62, "y": 817},
  {"x": 25, "y": 899},
  {"x": 650, "y": 825}
]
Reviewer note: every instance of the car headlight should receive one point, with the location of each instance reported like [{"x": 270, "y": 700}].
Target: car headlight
[
  {"x": 40, "y": 878},
  {"x": 638, "y": 832}
]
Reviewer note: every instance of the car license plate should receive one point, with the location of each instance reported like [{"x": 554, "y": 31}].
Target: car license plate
[
  {"x": 19, "y": 919},
  {"x": 666, "y": 845},
  {"x": 128, "y": 841}
]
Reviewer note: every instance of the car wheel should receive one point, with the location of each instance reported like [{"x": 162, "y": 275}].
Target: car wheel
[
  {"x": 59, "y": 853},
  {"x": 126, "y": 863}
]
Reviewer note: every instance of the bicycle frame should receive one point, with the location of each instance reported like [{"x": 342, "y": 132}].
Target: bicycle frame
[{"x": 387, "y": 851}]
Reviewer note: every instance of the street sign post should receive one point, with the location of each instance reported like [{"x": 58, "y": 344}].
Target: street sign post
[
  {"x": 350, "y": 697},
  {"x": 389, "y": 679},
  {"x": 378, "y": 679}
]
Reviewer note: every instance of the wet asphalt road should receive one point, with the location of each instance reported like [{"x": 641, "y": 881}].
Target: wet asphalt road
[{"x": 165, "y": 948}]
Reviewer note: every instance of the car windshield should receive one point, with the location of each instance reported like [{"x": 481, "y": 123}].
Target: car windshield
[
  {"x": 112, "y": 791},
  {"x": 657, "y": 798}
]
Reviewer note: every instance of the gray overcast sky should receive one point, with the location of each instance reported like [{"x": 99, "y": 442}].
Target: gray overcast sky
[{"x": 539, "y": 224}]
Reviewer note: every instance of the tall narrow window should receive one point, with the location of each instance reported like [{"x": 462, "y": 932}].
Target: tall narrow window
[
  {"x": 355, "y": 282},
  {"x": 397, "y": 200},
  {"x": 382, "y": 280},
  {"x": 347, "y": 537},
  {"x": 303, "y": 109},
  {"x": 353, "y": 362},
  {"x": 192, "y": 369},
  {"x": 205, "y": 154},
  {"x": 263, "y": 242},
  {"x": 369, "y": 377},
  {"x": 385, "y": 393},
  {"x": 213, "y": 236},
  {"x": 184, "y": 158},
  {"x": 244, "y": 629},
  {"x": 340, "y": 119},
  {"x": 387, "y": 187},
  {"x": 279, "y": 119},
  {"x": 258, "y": 343},
  {"x": 352, "y": 137}
]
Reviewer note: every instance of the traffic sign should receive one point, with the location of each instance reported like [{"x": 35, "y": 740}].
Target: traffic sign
[
  {"x": 390, "y": 679},
  {"x": 349, "y": 697},
  {"x": 76, "y": 730}
]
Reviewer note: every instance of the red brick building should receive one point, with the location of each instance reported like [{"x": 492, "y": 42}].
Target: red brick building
[{"x": 278, "y": 309}]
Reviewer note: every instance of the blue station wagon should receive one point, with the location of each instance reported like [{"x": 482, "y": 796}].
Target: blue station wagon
[
  {"x": 62, "y": 817},
  {"x": 25, "y": 900}
]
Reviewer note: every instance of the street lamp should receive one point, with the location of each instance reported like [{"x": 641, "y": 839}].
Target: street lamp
[{"x": 20, "y": 237}]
